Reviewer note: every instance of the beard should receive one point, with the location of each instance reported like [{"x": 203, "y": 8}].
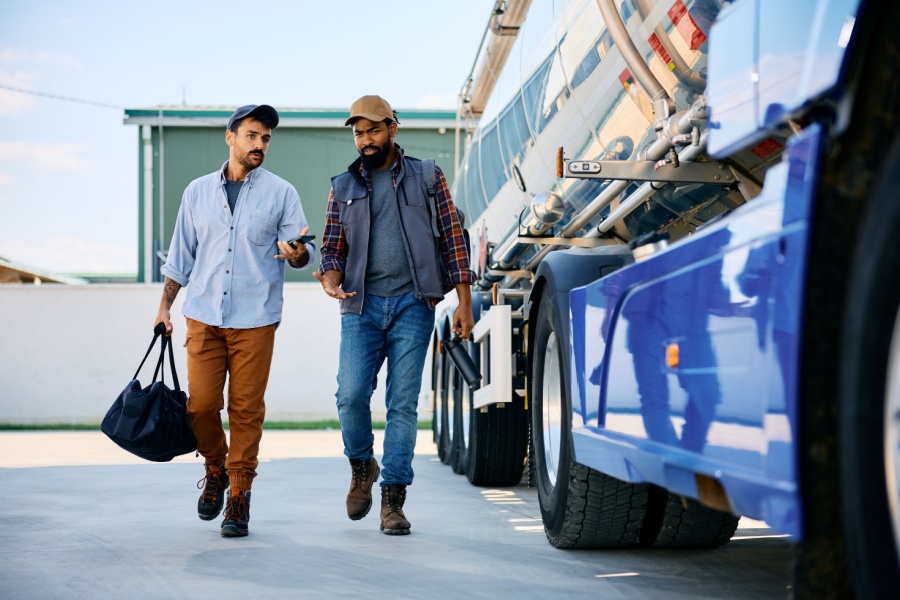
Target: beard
[
  {"x": 373, "y": 161},
  {"x": 248, "y": 160}
]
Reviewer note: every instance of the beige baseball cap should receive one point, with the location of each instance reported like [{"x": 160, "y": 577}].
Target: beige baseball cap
[{"x": 373, "y": 108}]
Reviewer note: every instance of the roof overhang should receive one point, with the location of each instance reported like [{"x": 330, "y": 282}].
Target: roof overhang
[
  {"x": 181, "y": 116},
  {"x": 11, "y": 272}
]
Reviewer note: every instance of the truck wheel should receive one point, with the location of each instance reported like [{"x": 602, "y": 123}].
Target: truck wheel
[
  {"x": 463, "y": 425},
  {"x": 439, "y": 422},
  {"x": 435, "y": 427},
  {"x": 493, "y": 441},
  {"x": 684, "y": 523},
  {"x": 454, "y": 397},
  {"x": 869, "y": 409},
  {"x": 580, "y": 507},
  {"x": 849, "y": 544},
  {"x": 497, "y": 444}
]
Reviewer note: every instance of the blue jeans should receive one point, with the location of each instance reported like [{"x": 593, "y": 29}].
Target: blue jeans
[{"x": 397, "y": 329}]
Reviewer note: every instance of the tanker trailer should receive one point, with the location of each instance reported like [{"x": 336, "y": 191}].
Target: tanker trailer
[{"x": 682, "y": 223}]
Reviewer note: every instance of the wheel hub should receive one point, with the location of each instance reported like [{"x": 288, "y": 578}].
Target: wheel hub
[
  {"x": 552, "y": 408},
  {"x": 892, "y": 432}
]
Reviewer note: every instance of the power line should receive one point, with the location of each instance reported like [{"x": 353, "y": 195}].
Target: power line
[
  {"x": 334, "y": 138},
  {"x": 56, "y": 97}
]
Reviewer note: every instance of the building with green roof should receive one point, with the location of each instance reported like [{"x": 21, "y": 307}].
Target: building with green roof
[{"x": 177, "y": 144}]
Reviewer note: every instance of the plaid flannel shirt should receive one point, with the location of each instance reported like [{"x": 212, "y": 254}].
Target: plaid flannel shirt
[{"x": 452, "y": 242}]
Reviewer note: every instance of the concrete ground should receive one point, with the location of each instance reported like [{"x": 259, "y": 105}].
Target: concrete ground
[{"x": 81, "y": 518}]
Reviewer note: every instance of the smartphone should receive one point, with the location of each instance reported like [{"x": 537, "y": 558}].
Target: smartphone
[{"x": 303, "y": 239}]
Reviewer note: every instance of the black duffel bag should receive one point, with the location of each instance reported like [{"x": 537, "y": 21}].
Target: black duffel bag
[{"x": 152, "y": 422}]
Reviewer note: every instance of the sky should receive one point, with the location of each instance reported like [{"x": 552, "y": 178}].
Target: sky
[{"x": 69, "y": 169}]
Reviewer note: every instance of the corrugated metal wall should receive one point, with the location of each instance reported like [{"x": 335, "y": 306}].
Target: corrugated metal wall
[{"x": 306, "y": 157}]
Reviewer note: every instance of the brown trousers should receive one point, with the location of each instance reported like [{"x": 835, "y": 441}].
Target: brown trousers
[{"x": 245, "y": 355}]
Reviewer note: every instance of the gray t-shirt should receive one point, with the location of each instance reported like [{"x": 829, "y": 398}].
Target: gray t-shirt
[
  {"x": 232, "y": 189},
  {"x": 387, "y": 268}
]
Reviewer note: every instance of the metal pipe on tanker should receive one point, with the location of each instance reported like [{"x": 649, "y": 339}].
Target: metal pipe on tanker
[
  {"x": 507, "y": 17},
  {"x": 687, "y": 76},
  {"x": 679, "y": 124},
  {"x": 546, "y": 210},
  {"x": 662, "y": 103},
  {"x": 635, "y": 199},
  {"x": 640, "y": 195}
]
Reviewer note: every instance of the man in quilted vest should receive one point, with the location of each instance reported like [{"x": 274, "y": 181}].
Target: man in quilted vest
[{"x": 389, "y": 220}]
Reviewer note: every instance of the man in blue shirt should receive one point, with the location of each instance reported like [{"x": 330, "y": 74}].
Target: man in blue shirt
[{"x": 231, "y": 236}]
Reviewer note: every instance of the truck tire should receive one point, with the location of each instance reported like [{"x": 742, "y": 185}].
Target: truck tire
[
  {"x": 869, "y": 426},
  {"x": 495, "y": 456},
  {"x": 464, "y": 417},
  {"x": 460, "y": 443},
  {"x": 580, "y": 507},
  {"x": 493, "y": 440},
  {"x": 454, "y": 397},
  {"x": 850, "y": 297},
  {"x": 439, "y": 420},
  {"x": 674, "y": 521}
]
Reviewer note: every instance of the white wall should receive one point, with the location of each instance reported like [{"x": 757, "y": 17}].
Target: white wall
[{"x": 67, "y": 351}]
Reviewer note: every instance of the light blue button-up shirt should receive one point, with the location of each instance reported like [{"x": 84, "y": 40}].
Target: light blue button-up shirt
[{"x": 225, "y": 262}]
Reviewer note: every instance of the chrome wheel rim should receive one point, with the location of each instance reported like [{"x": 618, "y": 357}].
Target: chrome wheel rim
[
  {"x": 552, "y": 409},
  {"x": 892, "y": 432}
]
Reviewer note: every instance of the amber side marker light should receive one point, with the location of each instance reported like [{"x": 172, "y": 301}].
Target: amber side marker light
[
  {"x": 559, "y": 162},
  {"x": 672, "y": 356}
]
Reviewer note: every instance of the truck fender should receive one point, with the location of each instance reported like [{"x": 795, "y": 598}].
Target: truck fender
[{"x": 562, "y": 271}]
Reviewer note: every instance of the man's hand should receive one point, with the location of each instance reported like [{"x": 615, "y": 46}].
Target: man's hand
[
  {"x": 298, "y": 256},
  {"x": 463, "y": 320},
  {"x": 164, "y": 317},
  {"x": 331, "y": 283}
]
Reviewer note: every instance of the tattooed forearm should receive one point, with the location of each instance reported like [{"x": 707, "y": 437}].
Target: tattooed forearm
[{"x": 170, "y": 290}]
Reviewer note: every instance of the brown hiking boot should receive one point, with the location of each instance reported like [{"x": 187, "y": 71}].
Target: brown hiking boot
[
  {"x": 359, "y": 499},
  {"x": 393, "y": 521},
  {"x": 237, "y": 515},
  {"x": 213, "y": 484}
]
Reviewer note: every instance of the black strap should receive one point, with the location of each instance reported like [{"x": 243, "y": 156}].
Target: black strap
[
  {"x": 160, "y": 370},
  {"x": 172, "y": 365},
  {"x": 155, "y": 335},
  {"x": 428, "y": 173},
  {"x": 160, "y": 364}
]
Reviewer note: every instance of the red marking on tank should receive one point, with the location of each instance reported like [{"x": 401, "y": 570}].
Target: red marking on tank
[
  {"x": 686, "y": 25},
  {"x": 660, "y": 51}
]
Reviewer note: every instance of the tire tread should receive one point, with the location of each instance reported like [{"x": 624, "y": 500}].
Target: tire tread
[{"x": 601, "y": 512}]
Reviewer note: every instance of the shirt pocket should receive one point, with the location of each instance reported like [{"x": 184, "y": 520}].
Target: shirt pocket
[
  {"x": 352, "y": 204},
  {"x": 262, "y": 229}
]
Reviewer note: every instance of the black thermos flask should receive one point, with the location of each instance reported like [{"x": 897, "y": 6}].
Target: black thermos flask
[{"x": 462, "y": 360}]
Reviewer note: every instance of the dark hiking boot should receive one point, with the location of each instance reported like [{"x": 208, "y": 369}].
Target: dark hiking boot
[
  {"x": 359, "y": 499},
  {"x": 237, "y": 514},
  {"x": 393, "y": 521},
  {"x": 213, "y": 485}
]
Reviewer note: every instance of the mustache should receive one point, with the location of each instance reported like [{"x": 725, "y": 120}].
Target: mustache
[
  {"x": 372, "y": 147},
  {"x": 257, "y": 152}
]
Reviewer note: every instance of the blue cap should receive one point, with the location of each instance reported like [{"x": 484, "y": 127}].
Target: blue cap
[{"x": 252, "y": 110}]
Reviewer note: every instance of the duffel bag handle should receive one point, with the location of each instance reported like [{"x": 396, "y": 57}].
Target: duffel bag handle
[
  {"x": 158, "y": 331},
  {"x": 167, "y": 341}
]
